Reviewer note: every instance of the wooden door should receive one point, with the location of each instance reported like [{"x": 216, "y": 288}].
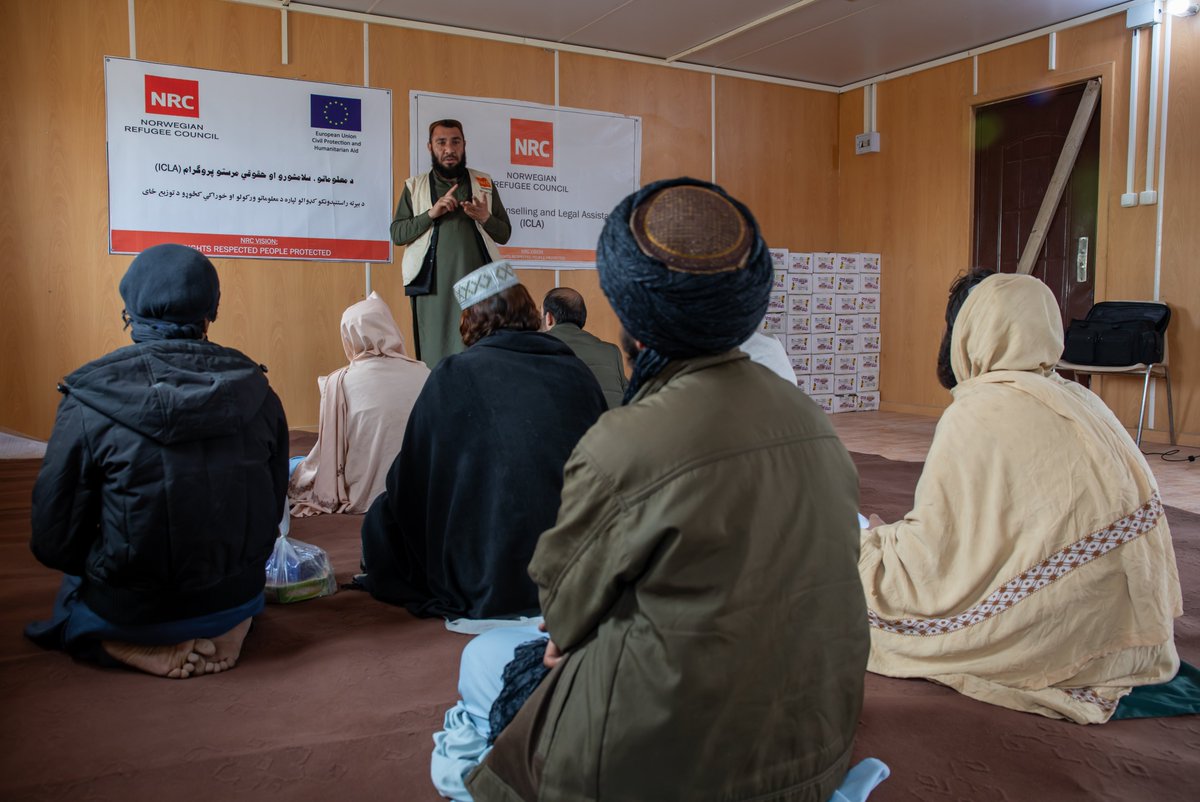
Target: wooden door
[{"x": 1017, "y": 145}]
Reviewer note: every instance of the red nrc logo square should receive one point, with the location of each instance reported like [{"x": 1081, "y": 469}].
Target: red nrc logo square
[
  {"x": 177, "y": 97},
  {"x": 532, "y": 142}
]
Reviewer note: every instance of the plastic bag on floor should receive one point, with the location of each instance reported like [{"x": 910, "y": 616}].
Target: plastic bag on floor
[{"x": 297, "y": 571}]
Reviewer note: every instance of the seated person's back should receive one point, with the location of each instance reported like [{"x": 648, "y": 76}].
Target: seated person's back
[
  {"x": 564, "y": 315},
  {"x": 699, "y": 589},
  {"x": 1035, "y": 570},
  {"x": 163, "y": 484},
  {"x": 479, "y": 474},
  {"x": 364, "y": 411}
]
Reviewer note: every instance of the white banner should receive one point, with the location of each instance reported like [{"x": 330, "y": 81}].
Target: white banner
[
  {"x": 559, "y": 172},
  {"x": 247, "y": 166}
]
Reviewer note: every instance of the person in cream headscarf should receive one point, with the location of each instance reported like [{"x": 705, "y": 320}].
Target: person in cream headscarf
[
  {"x": 364, "y": 411},
  {"x": 1035, "y": 570}
]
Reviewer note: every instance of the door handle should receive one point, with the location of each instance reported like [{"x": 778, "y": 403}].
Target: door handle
[{"x": 1081, "y": 257}]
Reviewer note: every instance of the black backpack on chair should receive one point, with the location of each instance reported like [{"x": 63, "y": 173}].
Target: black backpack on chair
[{"x": 1118, "y": 333}]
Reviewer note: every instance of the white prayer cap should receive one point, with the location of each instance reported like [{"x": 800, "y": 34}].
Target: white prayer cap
[{"x": 484, "y": 283}]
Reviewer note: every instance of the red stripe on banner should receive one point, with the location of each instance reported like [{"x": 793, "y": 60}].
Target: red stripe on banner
[
  {"x": 253, "y": 246},
  {"x": 530, "y": 254}
]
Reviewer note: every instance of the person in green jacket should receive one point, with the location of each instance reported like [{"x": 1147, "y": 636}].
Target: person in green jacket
[
  {"x": 707, "y": 627},
  {"x": 564, "y": 314}
]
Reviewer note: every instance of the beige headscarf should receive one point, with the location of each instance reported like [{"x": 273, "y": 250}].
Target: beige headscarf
[
  {"x": 1035, "y": 570},
  {"x": 321, "y": 482}
]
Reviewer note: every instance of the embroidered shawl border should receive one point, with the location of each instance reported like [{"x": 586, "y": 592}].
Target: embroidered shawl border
[{"x": 1054, "y": 567}]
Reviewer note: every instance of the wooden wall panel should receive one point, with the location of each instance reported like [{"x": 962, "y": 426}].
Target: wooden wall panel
[
  {"x": 60, "y": 305},
  {"x": 777, "y": 152},
  {"x": 911, "y": 203},
  {"x": 1181, "y": 221},
  {"x": 284, "y": 314},
  {"x": 675, "y": 107},
  {"x": 404, "y": 60}
]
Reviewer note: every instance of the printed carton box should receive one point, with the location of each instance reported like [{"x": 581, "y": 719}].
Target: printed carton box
[
  {"x": 847, "y": 344},
  {"x": 822, "y": 302},
  {"x": 799, "y": 324},
  {"x": 846, "y": 304},
  {"x": 843, "y": 384},
  {"x": 868, "y": 343},
  {"x": 803, "y": 382},
  {"x": 868, "y": 381},
  {"x": 779, "y": 282},
  {"x": 868, "y": 323},
  {"x": 847, "y": 263},
  {"x": 868, "y": 361},
  {"x": 868, "y": 302},
  {"x": 823, "y": 343},
  {"x": 868, "y": 402},
  {"x": 799, "y": 343},
  {"x": 773, "y": 323},
  {"x": 801, "y": 364},
  {"x": 868, "y": 263},
  {"x": 821, "y": 384},
  {"x": 845, "y": 403},
  {"x": 824, "y": 401},
  {"x": 823, "y": 324},
  {"x": 845, "y": 364},
  {"x": 824, "y": 262},
  {"x": 800, "y": 283},
  {"x": 777, "y": 302},
  {"x": 800, "y": 262},
  {"x": 825, "y": 282},
  {"x": 779, "y": 258},
  {"x": 822, "y": 363},
  {"x": 799, "y": 304},
  {"x": 869, "y": 282},
  {"x": 845, "y": 324},
  {"x": 847, "y": 284}
]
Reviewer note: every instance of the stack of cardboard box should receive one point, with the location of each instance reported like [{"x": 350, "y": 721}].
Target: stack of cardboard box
[{"x": 824, "y": 308}]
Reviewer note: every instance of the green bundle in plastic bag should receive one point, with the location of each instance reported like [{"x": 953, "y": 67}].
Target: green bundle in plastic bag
[{"x": 297, "y": 571}]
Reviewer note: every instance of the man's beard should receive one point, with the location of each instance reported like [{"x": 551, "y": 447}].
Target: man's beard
[{"x": 457, "y": 171}]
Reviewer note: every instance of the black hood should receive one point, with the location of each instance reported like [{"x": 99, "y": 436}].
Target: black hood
[{"x": 172, "y": 391}]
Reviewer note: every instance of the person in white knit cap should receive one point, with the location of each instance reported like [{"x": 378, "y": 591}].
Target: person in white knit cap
[{"x": 480, "y": 470}]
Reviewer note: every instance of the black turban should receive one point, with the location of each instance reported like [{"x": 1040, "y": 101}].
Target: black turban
[
  {"x": 686, "y": 270},
  {"x": 169, "y": 292}
]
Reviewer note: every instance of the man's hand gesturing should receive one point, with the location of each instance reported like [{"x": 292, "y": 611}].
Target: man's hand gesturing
[
  {"x": 445, "y": 204},
  {"x": 477, "y": 209}
]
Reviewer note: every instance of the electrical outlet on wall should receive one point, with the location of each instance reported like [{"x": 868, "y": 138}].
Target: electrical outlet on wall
[{"x": 866, "y": 143}]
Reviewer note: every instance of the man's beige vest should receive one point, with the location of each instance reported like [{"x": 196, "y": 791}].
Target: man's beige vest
[{"x": 418, "y": 193}]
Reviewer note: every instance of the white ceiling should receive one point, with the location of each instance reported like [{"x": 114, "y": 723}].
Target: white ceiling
[{"x": 829, "y": 42}]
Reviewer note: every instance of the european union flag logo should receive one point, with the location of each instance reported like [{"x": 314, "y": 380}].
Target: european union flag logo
[{"x": 341, "y": 113}]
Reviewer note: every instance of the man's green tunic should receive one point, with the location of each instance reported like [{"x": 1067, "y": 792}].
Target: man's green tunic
[{"x": 458, "y": 253}]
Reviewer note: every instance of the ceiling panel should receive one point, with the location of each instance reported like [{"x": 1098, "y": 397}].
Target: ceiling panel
[
  {"x": 662, "y": 28},
  {"x": 831, "y": 42},
  {"x": 840, "y": 41},
  {"x": 537, "y": 19}
]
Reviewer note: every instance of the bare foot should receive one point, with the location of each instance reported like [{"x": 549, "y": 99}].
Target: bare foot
[
  {"x": 179, "y": 661},
  {"x": 228, "y": 647}
]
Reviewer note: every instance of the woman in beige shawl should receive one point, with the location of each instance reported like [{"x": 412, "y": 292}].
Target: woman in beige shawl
[
  {"x": 1035, "y": 570},
  {"x": 364, "y": 410}
]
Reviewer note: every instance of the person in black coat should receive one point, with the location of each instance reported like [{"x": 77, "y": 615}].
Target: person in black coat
[
  {"x": 162, "y": 486},
  {"x": 480, "y": 471}
]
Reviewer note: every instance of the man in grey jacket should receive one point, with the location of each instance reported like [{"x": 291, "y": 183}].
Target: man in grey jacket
[{"x": 563, "y": 315}]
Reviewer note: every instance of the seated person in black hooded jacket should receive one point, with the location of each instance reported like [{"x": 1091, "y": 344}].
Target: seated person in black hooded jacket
[{"x": 163, "y": 485}]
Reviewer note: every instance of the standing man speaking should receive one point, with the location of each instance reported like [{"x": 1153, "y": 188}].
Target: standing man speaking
[{"x": 451, "y": 220}]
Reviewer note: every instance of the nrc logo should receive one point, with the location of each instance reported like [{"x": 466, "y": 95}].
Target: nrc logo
[
  {"x": 176, "y": 97},
  {"x": 532, "y": 142}
]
